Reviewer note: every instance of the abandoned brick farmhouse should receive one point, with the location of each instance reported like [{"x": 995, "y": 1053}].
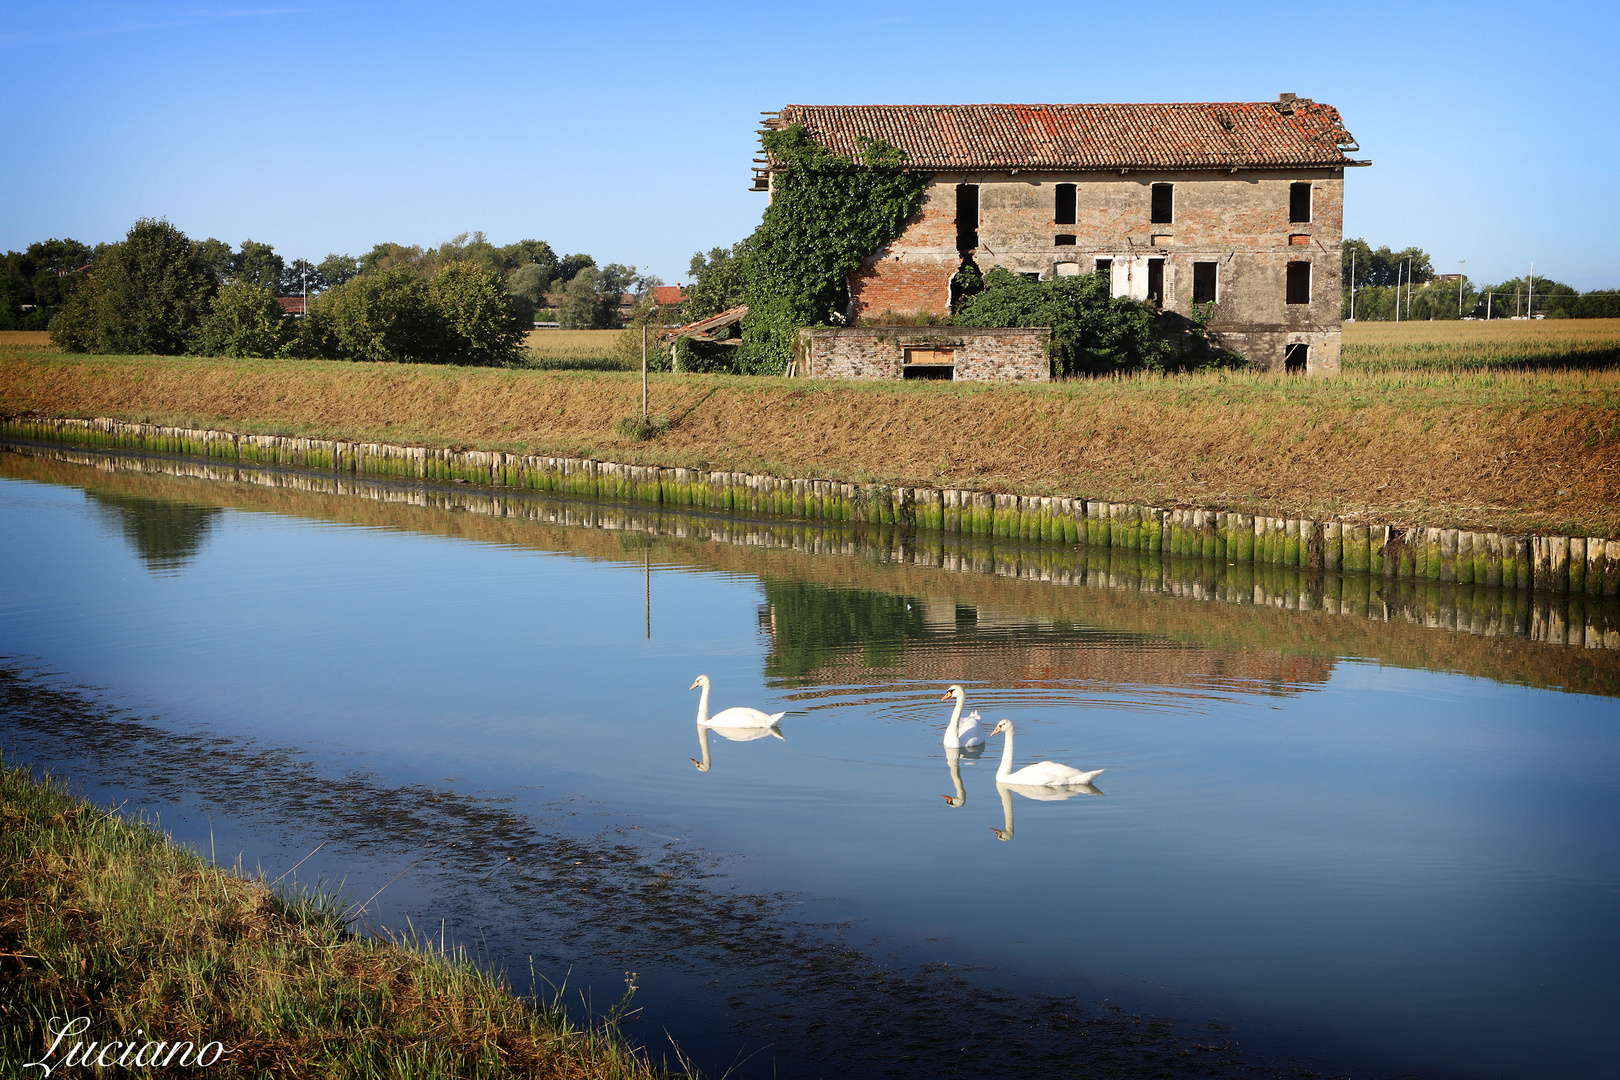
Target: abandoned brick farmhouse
[{"x": 1239, "y": 203}]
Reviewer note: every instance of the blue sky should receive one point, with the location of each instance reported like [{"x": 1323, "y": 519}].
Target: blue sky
[{"x": 625, "y": 130}]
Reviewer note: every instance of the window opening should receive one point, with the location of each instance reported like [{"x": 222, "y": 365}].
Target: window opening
[
  {"x": 1155, "y": 289},
  {"x": 1295, "y": 357},
  {"x": 1104, "y": 266},
  {"x": 1067, "y": 269},
  {"x": 1204, "y": 282},
  {"x": 1299, "y": 202},
  {"x": 928, "y": 362},
  {"x": 967, "y": 217},
  {"x": 1065, "y": 205},
  {"x": 1164, "y": 204},
  {"x": 1030, "y": 275},
  {"x": 1063, "y": 240},
  {"x": 1299, "y": 283}
]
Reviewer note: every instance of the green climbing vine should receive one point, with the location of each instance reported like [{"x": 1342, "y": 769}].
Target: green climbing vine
[{"x": 827, "y": 215}]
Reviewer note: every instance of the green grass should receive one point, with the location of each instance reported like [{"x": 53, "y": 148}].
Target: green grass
[{"x": 104, "y": 918}]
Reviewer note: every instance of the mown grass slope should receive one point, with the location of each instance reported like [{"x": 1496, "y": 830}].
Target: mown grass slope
[{"x": 1521, "y": 450}]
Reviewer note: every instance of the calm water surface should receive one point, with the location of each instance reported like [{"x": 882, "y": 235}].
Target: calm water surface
[{"x": 1358, "y": 862}]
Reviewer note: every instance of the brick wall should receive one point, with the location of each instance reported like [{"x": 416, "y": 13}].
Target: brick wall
[
  {"x": 878, "y": 352},
  {"x": 1239, "y": 221}
]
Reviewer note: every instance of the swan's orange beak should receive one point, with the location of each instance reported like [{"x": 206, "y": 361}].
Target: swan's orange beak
[
  {"x": 695, "y": 685},
  {"x": 946, "y": 696}
]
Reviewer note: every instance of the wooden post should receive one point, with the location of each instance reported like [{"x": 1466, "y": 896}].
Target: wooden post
[{"x": 643, "y": 375}]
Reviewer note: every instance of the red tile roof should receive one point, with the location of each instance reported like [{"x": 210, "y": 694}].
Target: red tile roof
[
  {"x": 1294, "y": 132},
  {"x": 666, "y": 295},
  {"x": 291, "y": 305}
]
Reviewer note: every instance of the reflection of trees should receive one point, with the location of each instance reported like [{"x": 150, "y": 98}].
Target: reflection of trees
[
  {"x": 164, "y": 534},
  {"x": 810, "y": 624}
]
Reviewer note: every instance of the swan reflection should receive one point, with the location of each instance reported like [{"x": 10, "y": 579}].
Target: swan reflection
[
  {"x": 735, "y": 735},
  {"x": 953, "y": 758},
  {"x": 1040, "y": 792}
]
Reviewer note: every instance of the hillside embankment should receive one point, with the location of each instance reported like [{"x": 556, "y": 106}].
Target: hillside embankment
[{"x": 1510, "y": 451}]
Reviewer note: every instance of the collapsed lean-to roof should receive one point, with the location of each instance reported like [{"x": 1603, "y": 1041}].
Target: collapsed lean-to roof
[{"x": 1289, "y": 133}]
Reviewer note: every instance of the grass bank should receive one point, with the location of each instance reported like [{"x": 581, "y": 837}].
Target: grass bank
[
  {"x": 104, "y": 918},
  {"x": 1499, "y": 449}
]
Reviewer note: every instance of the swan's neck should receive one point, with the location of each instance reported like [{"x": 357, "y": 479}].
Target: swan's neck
[
  {"x": 953, "y": 729},
  {"x": 1006, "y": 758},
  {"x": 703, "y": 705},
  {"x": 703, "y": 743},
  {"x": 953, "y": 757},
  {"x": 1006, "y": 812}
]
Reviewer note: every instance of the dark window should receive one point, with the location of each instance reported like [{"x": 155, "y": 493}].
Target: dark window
[
  {"x": 1063, "y": 240},
  {"x": 1030, "y": 275},
  {"x": 967, "y": 217},
  {"x": 1299, "y": 202},
  {"x": 1203, "y": 283},
  {"x": 1105, "y": 266},
  {"x": 1155, "y": 281},
  {"x": 928, "y": 371},
  {"x": 1295, "y": 357},
  {"x": 1065, "y": 205},
  {"x": 1299, "y": 283},
  {"x": 1164, "y": 203}
]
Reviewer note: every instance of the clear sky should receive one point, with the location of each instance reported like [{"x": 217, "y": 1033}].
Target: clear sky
[{"x": 626, "y": 130}]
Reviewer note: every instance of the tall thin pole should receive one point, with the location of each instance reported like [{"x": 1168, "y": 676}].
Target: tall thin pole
[
  {"x": 1352, "y": 284},
  {"x": 1530, "y": 295},
  {"x": 1462, "y": 279},
  {"x": 646, "y": 569},
  {"x": 644, "y": 371},
  {"x": 1400, "y": 268}
]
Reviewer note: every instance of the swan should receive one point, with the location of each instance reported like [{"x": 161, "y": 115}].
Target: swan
[
  {"x": 735, "y": 734},
  {"x": 958, "y": 733},
  {"x": 1043, "y": 775},
  {"x": 735, "y": 717},
  {"x": 1041, "y": 793}
]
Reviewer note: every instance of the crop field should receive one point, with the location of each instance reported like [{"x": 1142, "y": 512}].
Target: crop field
[
  {"x": 1498, "y": 345},
  {"x": 579, "y": 350}
]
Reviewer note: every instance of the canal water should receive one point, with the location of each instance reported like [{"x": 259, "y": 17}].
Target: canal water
[{"x": 1340, "y": 830}]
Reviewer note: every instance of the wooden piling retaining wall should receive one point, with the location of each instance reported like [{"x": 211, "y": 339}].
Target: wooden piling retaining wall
[{"x": 1582, "y": 566}]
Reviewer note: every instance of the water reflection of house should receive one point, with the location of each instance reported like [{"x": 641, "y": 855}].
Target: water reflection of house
[{"x": 850, "y": 636}]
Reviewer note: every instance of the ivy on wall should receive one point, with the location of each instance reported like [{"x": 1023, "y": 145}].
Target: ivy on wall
[{"x": 827, "y": 215}]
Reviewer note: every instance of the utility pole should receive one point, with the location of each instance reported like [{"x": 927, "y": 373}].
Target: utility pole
[
  {"x": 644, "y": 371},
  {"x": 1462, "y": 279},
  {"x": 1352, "y": 284},
  {"x": 1400, "y": 268},
  {"x": 1530, "y": 295}
]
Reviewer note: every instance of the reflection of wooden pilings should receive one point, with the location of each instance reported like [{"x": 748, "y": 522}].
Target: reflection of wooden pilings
[{"x": 1574, "y": 566}]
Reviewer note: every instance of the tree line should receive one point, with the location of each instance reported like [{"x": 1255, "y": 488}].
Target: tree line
[
  {"x": 158, "y": 291},
  {"x": 1378, "y": 279}
]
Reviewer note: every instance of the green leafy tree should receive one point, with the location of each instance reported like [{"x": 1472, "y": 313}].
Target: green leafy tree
[
  {"x": 526, "y": 253},
  {"x": 592, "y": 297},
  {"x": 481, "y": 325},
  {"x": 258, "y": 264},
  {"x": 827, "y": 215},
  {"x": 568, "y": 266},
  {"x": 527, "y": 286},
  {"x": 337, "y": 269},
  {"x": 719, "y": 281},
  {"x": 150, "y": 294},
  {"x": 1383, "y": 267},
  {"x": 244, "y": 320},
  {"x": 217, "y": 256},
  {"x": 383, "y": 315},
  {"x": 299, "y": 275},
  {"x": 1092, "y": 332}
]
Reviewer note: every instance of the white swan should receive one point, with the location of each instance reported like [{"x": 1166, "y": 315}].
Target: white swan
[
  {"x": 1042, "y": 793},
  {"x": 1044, "y": 774},
  {"x": 958, "y": 733},
  {"x": 735, "y": 734},
  {"x": 735, "y": 717}
]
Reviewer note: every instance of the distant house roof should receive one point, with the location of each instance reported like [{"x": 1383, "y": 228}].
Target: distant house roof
[
  {"x": 669, "y": 295},
  {"x": 1290, "y": 132},
  {"x": 291, "y": 305}
]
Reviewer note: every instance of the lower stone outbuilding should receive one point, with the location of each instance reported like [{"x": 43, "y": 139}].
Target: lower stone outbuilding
[{"x": 961, "y": 353}]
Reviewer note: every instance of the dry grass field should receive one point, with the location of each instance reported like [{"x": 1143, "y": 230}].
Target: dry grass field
[
  {"x": 1498, "y": 345},
  {"x": 1434, "y": 442},
  {"x": 591, "y": 350}
]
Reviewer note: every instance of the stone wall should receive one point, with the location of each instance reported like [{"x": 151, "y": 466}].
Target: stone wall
[
  {"x": 1237, "y": 220},
  {"x": 978, "y": 354}
]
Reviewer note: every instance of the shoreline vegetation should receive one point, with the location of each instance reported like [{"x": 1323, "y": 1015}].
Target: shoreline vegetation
[
  {"x": 1482, "y": 427},
  {"x": 163, "y": 953}
]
